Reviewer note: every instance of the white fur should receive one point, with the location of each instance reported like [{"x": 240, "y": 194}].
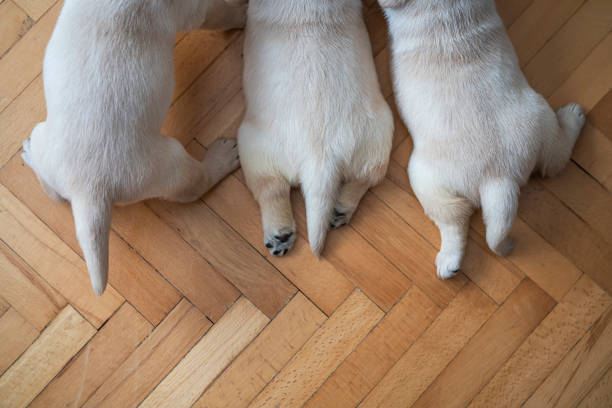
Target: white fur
[
  {"x": 479, "y": 129},
  {"x": 315, "y": 115},
  {"x": 109, "y": 78}
]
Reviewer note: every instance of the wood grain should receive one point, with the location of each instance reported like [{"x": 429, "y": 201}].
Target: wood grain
[{"x": 16, "y": 334}]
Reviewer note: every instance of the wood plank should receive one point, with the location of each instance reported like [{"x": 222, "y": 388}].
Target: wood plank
[
  {"x": 153, "y": 359},
  {"x": 569, "y": 46},
  {"x": 178, "y": 262},
  {"x": 51, "y": 258},
  {"x": 404, "y": 247},
  {"x": 263, "y": 358},
  {"x": 317, "y": 279},
  {"x": 580, "y": 369},
  {"x": 320, "y": 356},
  {"x": 486, "y": 352},
  {"x": 510, "y": 10},
  {"x": 371, "y": 359},
  {"x": 436, "y": 347},
  {"x": 194, "y": 54},
  {"x": 537, "y": 24},
  {"x": 601, "y": 115},
  {"x": 545, "y": 347},
  {"x": 592, "y": 152},
  {"x": 207, "y": 95},
  {"x": 572, "y": 237},
  {"x": 97, "y": 360},
  {"x": 19, "y": 118},
  {"x": 358, "y": 259},
  {"x": 129, "y": 273},
  {"x": 590, "y": 81},
  {"x": 224, "y": 124},
  {"x": 4, "y": 306},
  {"x": 14, "y": 23},
  {"x": 587, "y": 198},
  {"x": 36, "y": 8},
  {"x": 228, "y": 253},
  {"x": 16, "y": 334},
  {"x": 601, "y": 394},
  {"x": 26, "y": 291},
  {"x": 23, "y": 62},
  {"x": 186, "y": 382},
  {"x": 45, "y": 358}
]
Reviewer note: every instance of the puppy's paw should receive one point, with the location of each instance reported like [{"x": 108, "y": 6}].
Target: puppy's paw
[
  {"x": 339, "y": 218},
  {"x": 222, "y": 158},
  {"x": 281, "y": 241},
  {"x": 571, "y": 118},
  {"x": 26, "y": 156},
  {"x": 447, "y": 264}
]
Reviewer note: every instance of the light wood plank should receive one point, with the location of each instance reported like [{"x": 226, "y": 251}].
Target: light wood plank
[
  {"x": 263, "y": 358},
  {"x": 601, "y": 394},
  {"x": 45, "y": 358},
  {"x": 153, "y": 359},
  {"x": 36, "y": 8},
  {"x": 546, "y": 346},
  {"x": 587, "y": 199},
  {"x": 601, "y": 115},
  {"x": 485, "y": 353},
  {"x": 16, "y": 334},
  {"x": 569, "y": 46},
  {"x": 19, "y": 118},
  {"x": 370, "y": 361},
  {"x": 224, "y": 123},
  {"x": 195, "y": 52},
  {"x": 4, "y": 306},
  {"x": 97, "y": 360},
  {"x": 14, "y": 23},
  {"x": 580, "y": 369},
  {"x": 26, "y": 291},
  {"x": 327, "y": 348},
  {"x": 228, "y": 253},
  {"x": 129, "y": 273},
  {"x": 589, "y": 82},
  {"x": 23, "y": 62},
  {"x": 510, "y": 10},
  {"x": 186, "y": 382},
  {"x": 537, "y": 24},
  {"x": 207, "y": 95},
  {"x": 541, "y": 210},
  {"x": 428, "y": 356},
  {"x": 53, "y": 260},
  {"x": 358, "y": 259},
  {"x": 593, "y": 151},
  {"x": 178, "y": 262}
]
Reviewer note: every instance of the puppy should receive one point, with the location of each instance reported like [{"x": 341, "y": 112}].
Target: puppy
[
  {"x": 479, "y": 129},
  {"x": 315, "y": 115},
  {"x": 109, "y": 78}
]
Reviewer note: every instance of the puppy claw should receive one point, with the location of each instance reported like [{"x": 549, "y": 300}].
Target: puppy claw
[
  {"x": 447, "y": 264},
  {"x": 338, "y": 219},
  {"x": 279, "y": 243}
]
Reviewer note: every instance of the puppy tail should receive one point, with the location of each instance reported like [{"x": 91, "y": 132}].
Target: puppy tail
[
  {"x": 92, "y": 218},
  {"x": 320, "y": 195}
]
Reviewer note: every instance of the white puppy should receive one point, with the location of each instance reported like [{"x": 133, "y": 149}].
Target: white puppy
[
  {"x": 315, "y": 115},
  {"x": 479, "y": 129},
  {"x": 109, "y": 78}
]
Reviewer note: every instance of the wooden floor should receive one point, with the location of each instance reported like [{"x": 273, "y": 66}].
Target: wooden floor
[{"x": 198, "y": 313}]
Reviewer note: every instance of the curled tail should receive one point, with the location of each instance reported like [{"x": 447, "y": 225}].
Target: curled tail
[
  {"x": 320, "y": 193},
  {"x": 92, "y": 218}
]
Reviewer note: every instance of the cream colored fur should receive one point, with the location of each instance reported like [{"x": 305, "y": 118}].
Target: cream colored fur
[
  {"x": 109, "y": 78},
  {"x": 315, "y": 115},
  {"x": 479, "y": 129}
]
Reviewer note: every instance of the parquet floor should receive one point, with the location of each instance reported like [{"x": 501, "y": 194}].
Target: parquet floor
[{"x": 198, "y": 314}]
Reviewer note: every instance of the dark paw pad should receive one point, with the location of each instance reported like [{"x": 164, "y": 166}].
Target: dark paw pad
[
  {"x": 338, "y": 219},
  {"x": 278, "y": 244}
]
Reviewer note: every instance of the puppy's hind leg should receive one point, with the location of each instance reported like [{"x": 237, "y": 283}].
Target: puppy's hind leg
[
  {"x": 273, "y": 195},
  {"x": 180, "y": 177},
  {"x": 557, "y": 148},
  {"x": 348, "y": 200},
  {"x": 499, "y": 202},
  {"x": 27, "y": 157}
]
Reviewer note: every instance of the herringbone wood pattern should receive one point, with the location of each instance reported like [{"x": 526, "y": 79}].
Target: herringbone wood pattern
[{"x": 198, "y": 314}]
